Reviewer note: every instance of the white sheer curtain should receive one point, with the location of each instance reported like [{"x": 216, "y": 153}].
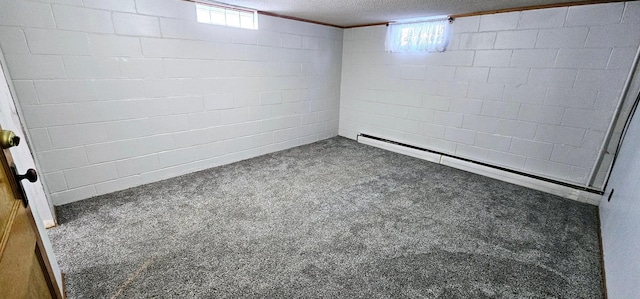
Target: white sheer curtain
[{"x": 427, "y": 36}]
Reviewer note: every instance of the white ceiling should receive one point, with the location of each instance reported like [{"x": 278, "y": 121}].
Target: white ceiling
[{"x": 345, "y": 13}]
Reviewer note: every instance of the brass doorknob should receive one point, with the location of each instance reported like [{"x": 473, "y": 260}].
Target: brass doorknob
[{"x": 8, "y": 139}]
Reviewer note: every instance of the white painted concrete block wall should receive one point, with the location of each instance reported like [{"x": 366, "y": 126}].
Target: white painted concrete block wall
[
  {"x": 120, "y": 93},
  {"x": 532, "y": 91}
]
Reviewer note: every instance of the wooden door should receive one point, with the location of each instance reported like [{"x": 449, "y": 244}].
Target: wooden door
[{"x": 24, "y": 268}]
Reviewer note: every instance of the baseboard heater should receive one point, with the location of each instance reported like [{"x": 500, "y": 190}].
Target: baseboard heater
[{"x": 560, "y": 188}]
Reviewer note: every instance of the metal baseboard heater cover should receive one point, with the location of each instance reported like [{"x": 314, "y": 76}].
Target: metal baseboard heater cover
[{"x": 560, "y": 188}]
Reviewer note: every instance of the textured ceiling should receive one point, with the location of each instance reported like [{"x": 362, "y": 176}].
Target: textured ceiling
[{"x": 345, "y": 13}]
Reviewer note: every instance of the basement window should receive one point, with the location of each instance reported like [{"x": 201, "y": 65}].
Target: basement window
[
  {"x": 426, "y": 35},
  {"x": 227, "y": 16}
]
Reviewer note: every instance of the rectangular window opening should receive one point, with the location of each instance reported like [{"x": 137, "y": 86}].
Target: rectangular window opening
[
  {"x": 430, "y": 35},
  {"x": 227, "y": 16}
]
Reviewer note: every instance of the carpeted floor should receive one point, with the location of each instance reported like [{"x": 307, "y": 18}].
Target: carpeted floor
[{"x": 334, "y": 219}]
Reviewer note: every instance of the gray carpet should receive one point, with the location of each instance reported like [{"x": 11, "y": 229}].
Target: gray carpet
[{"x": 333, "y": 219}]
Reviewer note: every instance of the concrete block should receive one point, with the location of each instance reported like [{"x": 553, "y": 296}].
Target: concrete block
[
  {"x": 91, "y": 67},
  {"x": 583, "y": 58},
  {"x": 517, "y": 39},
  {"x": 493, "y": 141},
  {"x": 13, "y": 41},
  {"x": 529, "y": 94},
  {"x": 500, "y": 109},
  {"x": 504, "y": 159},
  {"x": 597, "y": 14},
  {"x": 532, "y": 149},
  {"x": 541, "y": 114},
  {"x": 471, "y": 152},
  {"x": 204, "y": 119},
  {"x": 515, "y": 128},
  {"x": 552, "y": 77},
  {"x": 55, "y": 182},
  {"x": 460, "y": 135},
  {"x": 157, "y": 144},
  {"x": 118, "y": 89},
  {"x": 621, "y": 58},
  {"x": 27, "y": 14},
  {"x": 467, "y": 24},
  {"x": 137, "y": 25},
  {"x": 67, "y": 158},
  {"x": 82, "y": 19},
  {"x": 576, "y": 97},
  {"x": 164, "y": 8},
  {"x": 631, "y": 13},
  {"x": 466, "y": 106},
  {"x": 472, "y": 74},
  {"x": 534, "y": 58},
  {"x": 574, "y": 156},
  {"x": 48, "y": 115},
  {"x": 440, "y": 73},
  {"x": 492, "y": 58},
  {"x": 485, "y": 91},
  {"x": 481, "y": 123},
  {"x": 185, "y": 104},
  {"x": 615, "y": 35},
  {"x": 40, "y": 140},
  {"x": 508, "y": 76},
  {"x": 88, "y": 175},
  {"x": 138, "y": 68},
  {"x": 26, "y": 92},
  {"x": 233, "y": 116},
  {"x": 452, "y": 89},
  {"x": 449, "y": 119},
  {"x": 110, "y": 45},
  {"x": 431, "y": 130},
  {"x": 176, "y": 157},
  {"x": 587, "y": 118},
  {"x": 601, "y": 79},
  {"x": 547, "y": 168},
  {"x": 72, "y": 195},
  {"x": 45, "y": 41},
  {"x": 113, "y": 5},
  {"x": 573, "y": 37},
  {"x": 500, "y": 21},
  {"x": 161, "y": 47},
  {"x": 433, "y": 102},
  {"x": 24, "y": 66},
  {"x": 64, "y": 91},
  {"x": 560, "y": 134},
  {"x": 476, "y": 41},
  {"x": 163, "y": 87},
  {"x": 543, "y": 18}
]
